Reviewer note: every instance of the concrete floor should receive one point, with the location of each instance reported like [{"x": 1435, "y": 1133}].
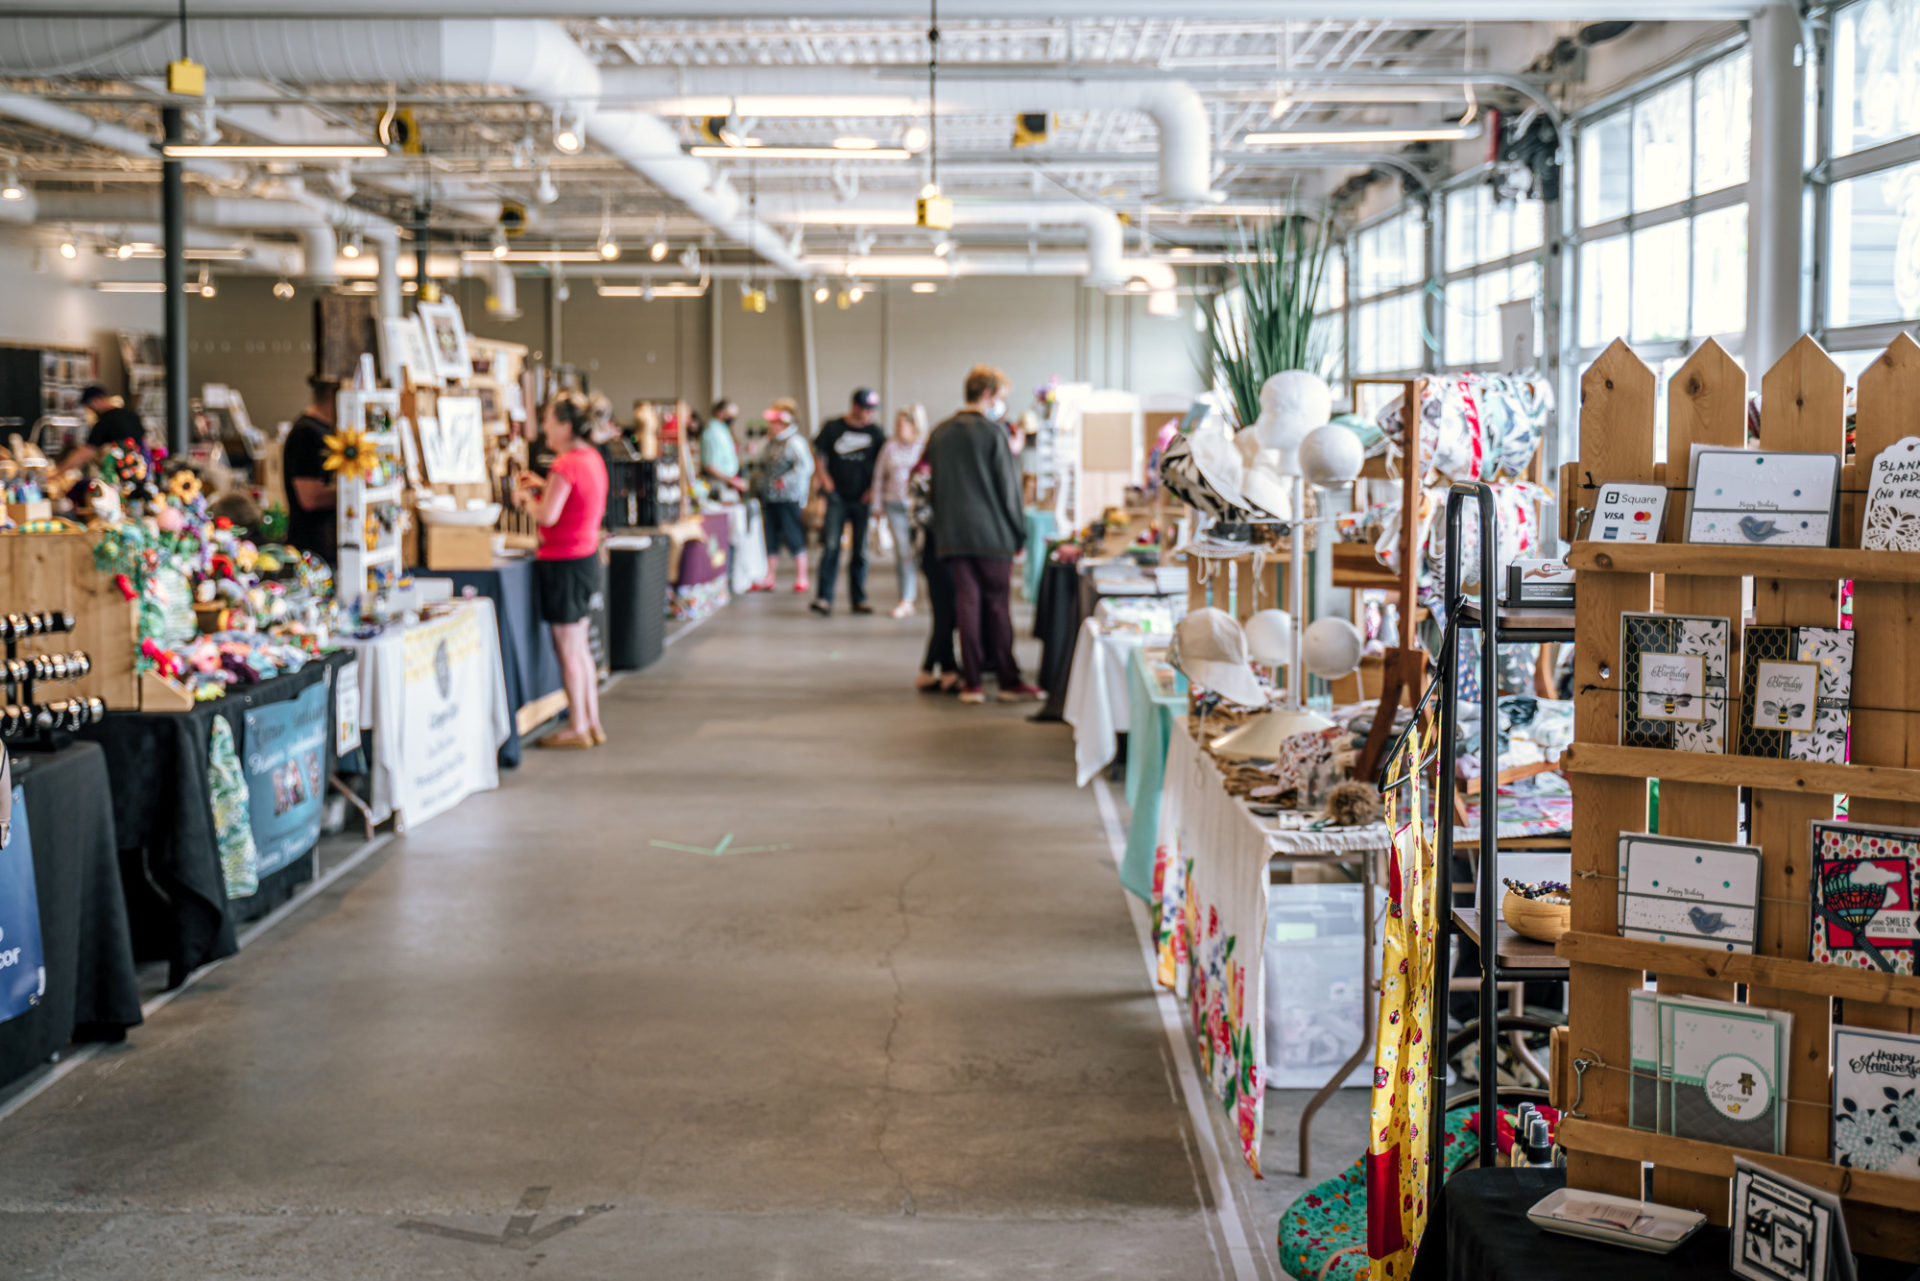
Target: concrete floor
[{"x": 914, "y": 1040}]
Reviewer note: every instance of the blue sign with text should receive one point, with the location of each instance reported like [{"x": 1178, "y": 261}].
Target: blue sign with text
[
  {"x": 286, "y": 765},
  {"x": 23, "y": 973}
]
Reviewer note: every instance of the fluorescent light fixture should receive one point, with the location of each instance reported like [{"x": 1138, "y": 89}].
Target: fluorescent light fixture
[
  {"x": 853, "y": 106},
  {"x": 141, "y": 249},
  {"x": 274, "y": 151},
  {"x": 670, "y": 290},
  {"x": 1338, "y": 137},
  {"x": 533, "y": 255},
  {"x": 923, "y": 287},
  {"x": 706, "y": 152},
  {"x": 132, "y": 286},
  {"x": 854, "y": 143}
]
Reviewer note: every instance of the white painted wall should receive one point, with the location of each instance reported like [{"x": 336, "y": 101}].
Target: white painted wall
[{"x": 50, "y": 300}]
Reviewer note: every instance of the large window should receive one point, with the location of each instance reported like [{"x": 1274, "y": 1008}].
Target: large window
[
  {"x": 1663, "y": 216},
  {"x": 1870, "y": 181},
  {"x": 1491, "y": 251},
  {"x": 1389, "y": 275}
]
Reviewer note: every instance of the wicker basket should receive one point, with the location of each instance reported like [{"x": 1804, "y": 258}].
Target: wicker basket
[{"x": 1536, "y": 919}]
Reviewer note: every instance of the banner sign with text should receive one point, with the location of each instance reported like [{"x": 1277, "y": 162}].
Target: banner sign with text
[{"x": 286, "y": 764}]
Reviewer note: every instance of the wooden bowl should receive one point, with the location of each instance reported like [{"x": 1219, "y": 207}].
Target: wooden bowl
[{"x": 1536, "y": 919}]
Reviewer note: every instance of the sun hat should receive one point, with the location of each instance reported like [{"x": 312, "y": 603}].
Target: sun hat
[{"x": 1210, "y": 648}]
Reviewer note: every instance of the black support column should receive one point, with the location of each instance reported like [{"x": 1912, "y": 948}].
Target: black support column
[{"x": 173, "y": 230}]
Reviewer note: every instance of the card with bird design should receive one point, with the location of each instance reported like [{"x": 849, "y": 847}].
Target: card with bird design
[
  {"x": 1756, "y": 497},
  {"x": 1693, "y": 893}
]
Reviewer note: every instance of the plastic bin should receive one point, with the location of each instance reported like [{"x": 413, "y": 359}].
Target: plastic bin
[{"x": 1316, "y": 991}]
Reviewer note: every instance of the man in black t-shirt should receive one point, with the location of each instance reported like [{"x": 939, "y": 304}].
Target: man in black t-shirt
[
  {"x": 849, "y": 450},
  {"x": 112, "y": 424},
  {"x": 310, "y": 486}
]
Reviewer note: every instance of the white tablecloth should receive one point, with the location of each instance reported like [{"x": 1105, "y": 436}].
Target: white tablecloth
[
  {"x": 1211, "y": 914},
  {"x": 436, "y": 700},
  {"x": 1097, "y": 704}
]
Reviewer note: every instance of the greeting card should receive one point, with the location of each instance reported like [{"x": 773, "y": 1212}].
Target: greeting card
[
  {"x": 1876, "y": 1100},
  {"x": 1757, "y": 496},
  {"x": 1725, "y": 1073},
  {"x": 1783, "y": 1230},
  {"x": 1866, "y": 891},
  {"x": 1893, "y": 499},
  {"x": 1694, "y": 893},
  {"x": 1673, "y": 681},
  {"x": 1797, "y": 692}
]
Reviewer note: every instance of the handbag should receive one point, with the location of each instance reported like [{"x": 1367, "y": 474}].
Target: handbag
[{"x": 813, "y": 517}]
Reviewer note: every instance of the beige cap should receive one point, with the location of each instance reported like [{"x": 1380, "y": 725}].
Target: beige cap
[{"x": 1210, "y": 647}]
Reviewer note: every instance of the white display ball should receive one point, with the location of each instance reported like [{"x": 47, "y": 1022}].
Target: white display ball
[
  {"x": 1331, "y": 455},
  {"x": 1332, "y": 647},
  {"x": 1270, "y": 637}
]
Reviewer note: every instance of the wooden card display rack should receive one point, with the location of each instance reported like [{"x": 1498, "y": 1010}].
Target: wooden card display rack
[{"x": 1802, "y": 409}]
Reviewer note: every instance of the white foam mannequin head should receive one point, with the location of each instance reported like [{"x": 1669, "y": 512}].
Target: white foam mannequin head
[
  {"x": 1270, "y": 637},
  {"x": 1292, "y": 403},
  {"x": 1332, "y": 647},
  {"x": 1331, "y": 455}
]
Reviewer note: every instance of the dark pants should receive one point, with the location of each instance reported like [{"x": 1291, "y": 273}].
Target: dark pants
[
  {"x": 840, "y": 514},
  {"x": 984, "y": 613},
  {"x": 940, "y": 657}
]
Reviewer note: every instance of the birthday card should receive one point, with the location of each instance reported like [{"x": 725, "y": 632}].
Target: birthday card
[
  {"x": 1673, "y": 681},
  {"x": 1797, "y": 692}
]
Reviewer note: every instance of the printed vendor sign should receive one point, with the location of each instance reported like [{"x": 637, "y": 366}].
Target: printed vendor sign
[
  {"x": 286, "y": 765},
  {"x": 23, "y": 973}
]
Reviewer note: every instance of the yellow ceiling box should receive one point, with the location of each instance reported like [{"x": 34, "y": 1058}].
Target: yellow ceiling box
[
  {"x": 1030, "y": 127},
  {"x": 399, "y": 129},
  {"x": 935, "y": 213},
  {"x": 513, "y": 218},
  {"x": 187, "y": 77},
  {"x": 755, "y": 301}
]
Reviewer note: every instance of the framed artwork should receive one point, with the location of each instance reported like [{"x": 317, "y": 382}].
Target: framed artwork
[
  {"x": 453, "y": 446},
  {"x": 446, "y": 340},
  {"x": 404, "y": 347},
  {"x": 1673, "y": 681}
]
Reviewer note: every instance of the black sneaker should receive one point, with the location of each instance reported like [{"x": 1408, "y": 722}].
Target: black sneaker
[
  {"x": 863, "y": 608},
  {"x": 821, "y": 608}
]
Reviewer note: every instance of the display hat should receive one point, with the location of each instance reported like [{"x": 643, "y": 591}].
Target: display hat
[{"x": 1210, "y": 648}]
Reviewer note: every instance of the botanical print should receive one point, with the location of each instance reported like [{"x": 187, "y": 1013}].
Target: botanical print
[
  {"x": 1876, "y": 1100},
  {"x": 1397, "y": 1150},
  {"x": 1866, "y": 896},
  {"x": 1216, "y": 1000},
  {"x": 1171, "y": 880}
]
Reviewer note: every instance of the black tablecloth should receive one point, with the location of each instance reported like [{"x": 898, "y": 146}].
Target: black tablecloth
[
  {"x": 91, "y": 993},
  {"x": 1480, "y": 1232},
  {"x": 1057, "y": 615},
  {"x": 163, "y": 816}
]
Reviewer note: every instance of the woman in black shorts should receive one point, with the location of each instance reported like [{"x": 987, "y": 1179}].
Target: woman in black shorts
[{"x": 569, "y": 505}]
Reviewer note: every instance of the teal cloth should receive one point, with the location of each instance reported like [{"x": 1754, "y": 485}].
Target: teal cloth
[
  {"x": 1040, "y": 528},
  {"x": 1150, "y": 722}
]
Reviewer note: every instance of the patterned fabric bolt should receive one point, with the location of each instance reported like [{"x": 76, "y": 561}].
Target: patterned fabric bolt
[{"x": 227, "y": 783}]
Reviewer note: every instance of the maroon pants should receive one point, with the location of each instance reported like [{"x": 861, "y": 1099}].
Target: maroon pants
[{"x": 983, "y": 612}]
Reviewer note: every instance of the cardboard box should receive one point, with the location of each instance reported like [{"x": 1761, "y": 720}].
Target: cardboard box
[
  {"x": 458, "y": 546},
  {"x": 38, "y": 509}
]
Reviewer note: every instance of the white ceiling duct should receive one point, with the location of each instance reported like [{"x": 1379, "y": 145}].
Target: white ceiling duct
[
  {"x": 536, "y": 58},
  {"x": 1186, "y": 133}
]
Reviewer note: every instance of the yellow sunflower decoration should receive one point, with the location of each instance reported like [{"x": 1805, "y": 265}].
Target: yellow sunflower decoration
[
  {"x": 351, "y": 454},
  {"x": 184, "y": 485},
  {"x": 371, "y": 529}
]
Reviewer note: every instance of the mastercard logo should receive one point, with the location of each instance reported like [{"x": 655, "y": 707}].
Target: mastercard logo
[{"x": 1640, "y": 518}]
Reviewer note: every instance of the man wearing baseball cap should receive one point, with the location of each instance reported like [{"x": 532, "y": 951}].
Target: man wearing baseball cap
[{"x": 849, "y": 449}]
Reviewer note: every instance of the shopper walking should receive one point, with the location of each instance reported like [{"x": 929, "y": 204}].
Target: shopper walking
[
  {"x": 849, "y": 449},
  {"x": 720, "y": 453},
  {"x": 980, "y": 526},
  {"x": 785, "y": 477},
  {"x": 568, "y": 506},
  {"x": 898, "y": 458},
  {"x": 940, "y": 669}
]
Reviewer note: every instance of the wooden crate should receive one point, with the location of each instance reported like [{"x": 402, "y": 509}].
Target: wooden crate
[
  {"x": 55, "y": 571},
  {"x": 1803, "y": 409}
]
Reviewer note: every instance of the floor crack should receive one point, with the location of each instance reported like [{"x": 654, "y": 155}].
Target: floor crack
[{"x": 908, "y": 1206}]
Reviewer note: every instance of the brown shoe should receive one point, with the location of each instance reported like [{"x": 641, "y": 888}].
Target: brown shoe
[
  {"x": 599, "y": 736},
  {"x": 566, "y": 739}
]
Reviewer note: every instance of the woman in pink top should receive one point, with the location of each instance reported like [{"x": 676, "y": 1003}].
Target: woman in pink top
[{"x": 569, "y": 505}]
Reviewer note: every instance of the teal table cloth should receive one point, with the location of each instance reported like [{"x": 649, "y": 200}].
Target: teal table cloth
[
  {"x": 1040, "y": 528},
  {"x": 1151, "y": 716}
]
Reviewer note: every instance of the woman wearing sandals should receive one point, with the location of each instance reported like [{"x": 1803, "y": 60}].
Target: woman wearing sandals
[{"x": 568, "y": 506}]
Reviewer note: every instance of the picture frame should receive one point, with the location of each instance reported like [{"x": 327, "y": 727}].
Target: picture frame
[
  {"x": 404, "y": 354},
  {"x": 446, "y": 337},
  {"x": 453, "y": 445}
]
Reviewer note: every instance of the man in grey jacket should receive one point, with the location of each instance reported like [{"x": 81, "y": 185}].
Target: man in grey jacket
[{"x": 979, "y": 527}]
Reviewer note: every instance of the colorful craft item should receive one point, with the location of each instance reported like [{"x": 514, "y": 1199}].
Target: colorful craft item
[{"x": 351, "y": 454}]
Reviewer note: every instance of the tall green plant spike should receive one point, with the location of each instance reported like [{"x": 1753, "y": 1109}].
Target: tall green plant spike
[{"x": 1265, "y": 324}]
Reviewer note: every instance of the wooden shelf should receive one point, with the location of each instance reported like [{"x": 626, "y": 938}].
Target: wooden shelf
[
  {"x": 1873, "y": 986},
  {"x": 1874, "y": 1187},
  {"x": 1510, "y": 950},
  {"x": 1730, "y": 561},
  {"x": 1815, "y": 778},
  {"x": 1525, "y": 624}
]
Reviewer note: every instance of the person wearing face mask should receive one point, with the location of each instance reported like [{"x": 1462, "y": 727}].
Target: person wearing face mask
[
  {"x": 979, "y": 527},
  {"x": 720, "y": 454}
]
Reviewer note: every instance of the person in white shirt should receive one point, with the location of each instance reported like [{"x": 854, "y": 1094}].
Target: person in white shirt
[{"x": 898, "y": 458}]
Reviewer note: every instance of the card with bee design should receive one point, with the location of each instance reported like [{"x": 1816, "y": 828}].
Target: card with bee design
[
  {"x": 1796, "y": 693},
  {"x": 1673, "y": 681}
]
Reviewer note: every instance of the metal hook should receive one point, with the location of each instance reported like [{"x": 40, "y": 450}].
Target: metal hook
[{"x": 1580, "y": 1067}]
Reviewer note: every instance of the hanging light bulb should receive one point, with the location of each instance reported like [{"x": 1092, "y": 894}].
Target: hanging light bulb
[
  {"x": 569, "y": 134},
  {"x": 856, "y": 293},
  {"x": 12, "y": 189},
  {"x": 659, "y": 251},
  {"x": 283, "y": 289},
  {"x": 609, "y": 247},
  {"x": 914, "y": 138},
  {"x": 942, "y": 247},
  {"x": 68, "y": 249},
  {"x": 543, "y": 189},
  {"x": 206, "y": 282},
  {"x": 352, "y": 248},
  {"x": 124, "y": 252},
  {"x": 499, "y": 248}
]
